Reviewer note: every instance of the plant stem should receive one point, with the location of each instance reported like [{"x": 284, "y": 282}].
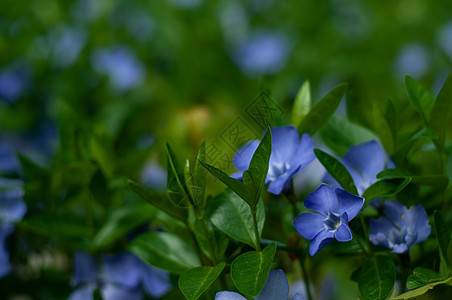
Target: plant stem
[
  {"x": 365, "y": 250},
  {"x": 256, "y": 230},
  {"x": 366, "y": 234},
  {"x": 305, "y": 277}
]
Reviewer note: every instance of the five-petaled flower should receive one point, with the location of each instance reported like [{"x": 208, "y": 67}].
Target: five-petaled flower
[
  {"x": 290, "y": 155},
  {"x": 400, "y": 228},
  {"x": 335, "y": 209},
  {"x": 276, "y": 288},
  {"x": 363, "y": 162},
  {"x": 121, "y": 276}
]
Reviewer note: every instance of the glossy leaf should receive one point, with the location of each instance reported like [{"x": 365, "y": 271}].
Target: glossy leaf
[
  {"x": 420, "y": 98},
  {"x": 384, "y": 188},
  {"x": 336, "y": 169},
  {"x": 377, "y": 278},
  {"x": 249, "y": 271},
  {"x": 159, "y": 200},
  {"x": 233, "y": 216},
  {"x": 165, "y": 251},
  {"x": 322, "y": 111},
  {"x": 194, "y": 282},
  {"x": 302, "y": 104},
  {"x": 442, "y": 111}
]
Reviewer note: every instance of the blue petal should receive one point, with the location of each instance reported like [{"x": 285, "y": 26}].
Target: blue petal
[
  {"x": 320, "y": 241},
  {"x": 304, "y": 154},
  {"x": 322, "y": 200},
  {"x": 122, "y": 269},
  {"x": 369, "y": 158},
  {"x": 12, "y": 206},
  {"x": 225, "y": 295},
  {"x": 242, "y": 157},
  {"x": 379, "y": 239},
  {"x": 83, "y": 293},
  {"x": 118, "y": 292},
  {"x": 397, "y": 213},
  {"x": 298, "y": 297},
  {"x": 276, "y": 186},
  {"x": 84, "y": 268},
  {"x": 285, "y": 141},
  {"x": 419, "y": 223},
  {"x": 348, "y": 203},
  {"x": 156, "y": 282},
  {"x": 5, "y": 266},
  {"x": 382, "y": 225},
  {"x": 308, "y": 225},
  {"x": 276, "y": 287},
  {"x": 343, "y": 233}
]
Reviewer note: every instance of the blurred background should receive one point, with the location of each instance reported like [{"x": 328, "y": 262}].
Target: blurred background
[{"x": 90, "y": 91}]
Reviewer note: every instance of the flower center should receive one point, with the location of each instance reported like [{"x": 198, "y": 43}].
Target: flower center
[
  {"x": 332, "y": 222},
  {"x": 277, "y": 169}
]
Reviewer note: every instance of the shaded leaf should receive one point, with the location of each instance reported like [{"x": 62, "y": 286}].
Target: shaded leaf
[
  {"x": 441, "y": 111},
  {"x": 420, "y": 98},
  {"x": 179, "y": 174},
  {"x": 442, "y": 237},
  {"x": 414, "y": 294},
  {"x": 194, "y": 282},
  {"x": 377, "y": 278},
  {"x": 384, "y": 188},
  {"x": 422, "y": 276},
  {"x": 439, "y": 181}
]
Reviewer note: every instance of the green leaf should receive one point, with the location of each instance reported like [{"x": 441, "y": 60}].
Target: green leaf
[
  {"x": 249, "y": 271},
  {"x": 165, "y": 251},
  {"x": 438, "y": 181},
  {"x": 233, "y": 216},
  {"x": 254, "y": 177},
  {"x": 377, "y": 278},
  {"x": 385, "y": 129},
  {"x": 414, "y": 294},
  {"x": 196, "y": 281},
  {"x": 121, "y": 222},
  {"x": 159, "y": 200},
  {"x": 322, "y": 111},
  {"x": 179, "y": 174},
  {"x": 340, "y": 134},
  {"x": 424, "y": 133},
  {"x": 302, "y": 104},
  {"x": 336, "y": 169},
  {"x": 422, "y": 276},
  {"x": 420, "y": 98},
  {"x": 441, "y": 111},
  {"x": 384, "y": 188},
  {"x": 31, "y": 170},
  {"x": 199, "y": 177},
  {"x": 442, "y": 237}
]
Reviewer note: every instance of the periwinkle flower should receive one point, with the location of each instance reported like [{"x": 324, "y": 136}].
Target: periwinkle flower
[
  {"x": 400, "y": 228},
  {"x": 120, "y": 276},
  {"x": 12, "y": 209},
  {"x": 363, "y": 162},
  {"x": 290, "y": 155},
  {"x": 335, "y": 209},
  {"x": 276, "y": 288},
  {"x": 413, "y": 59},
  {"x": 14, "y": 82}
]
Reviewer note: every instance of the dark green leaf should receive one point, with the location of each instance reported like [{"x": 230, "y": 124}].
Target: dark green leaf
[
  {"x": 179, "y": 174},
  {"x": 165, "y": 251},
  {"x": 302, "y": 104},
  {"x": 30, "y": 169},
  {"x": 414, "y": 294},
  {"x": 385, "y": 128},
  {"x": 441, "y": 111},
  {"x": 384, "y": 188},
  {"x": 233, "y": 216},
  {"x": 159, "y": 200},
  {"x": 442, "y": 237},
  {"x": 377, "y": 278},
  {"x": 337, "y": 170},
  {"x": 421, "y": 99},
  {"x": 195, "y": 281},
  {"x": 439, "y": 181},
  {"x": 424, "y": 133},
  {"x": 422, "y": 276},
  {"x": 322, "y": 111},
  {"x": 199, "y": 177},
  {"x": 249, "y": 271}
]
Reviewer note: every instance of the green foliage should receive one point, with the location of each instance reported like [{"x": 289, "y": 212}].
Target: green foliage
[
  {"x": 443, "y": 239},
  {"x": 438, "y": 181},
  {"x": 302, "y": 104},
  {"x": 421, "y": 277},
  {"x": 417, "y": 293},
  {"x": 377, "y": 278},
  {"x": 420, "y": 97},
  {"x": 442, "y": 111},
  {"x": 249, "y": 271},
  {"x": 194, "y": 282},
  {"x": 385, "y": 188}
]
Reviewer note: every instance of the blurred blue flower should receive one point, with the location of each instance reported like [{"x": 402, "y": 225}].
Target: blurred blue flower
[
  {"x": 14, "y": 82},
  {"x": 413, "y": 59},
  {"x": 12, "y": 209},
  {"x": 290, "y": 155},
  {"x": 121, "y": 276},
  {"x": 335, "y": 209},
  {"x": 400, "y": 228},
  {"x": 444, "y": 38},
  {"x": 154, "y": 176},
  {"x": 186, "y": 4},
  {"x": 363, "y": 162},
  {"x": 262, "y": 53},
  {"x": 67, "y": 47},
  {"x": 276, "y": 288},
  {"x": 120, "y": 64}
]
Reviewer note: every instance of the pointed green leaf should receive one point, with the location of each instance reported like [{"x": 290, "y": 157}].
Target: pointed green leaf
[
  {"x": 424, "y": 133},
  {"x": 439, "y": 181},
  {"x": 384, "y": 188},
  {"x": 249, "y": 271},
  {"x": 159, "y": 200},
  {"x": 422, "y": 276},
  {"x": 233, "y": 216},
  {"x": 414, "y": 294},
  {"x": 420, "y": 98},
  {"x": 199, "y": 177},
  {"x": 302, "y": 104},
  {"x": 385, "y": 129},
  {"x": 442, "y": 237},
  {"x": 179, "y": 173},
  {"x": 322, "y": 111},
  {"x": 194, "y": 282},
  {"x": 377, "y": 278},
  {"x": 165, "y": 251},
  {"x": 442, "y": 111},
  {"x": 336, "y": 169}
]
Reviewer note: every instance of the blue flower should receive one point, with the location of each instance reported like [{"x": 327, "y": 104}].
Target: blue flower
[
  {"x": 400, "y": 228},
  {"x": 335, "y": 209},
  {"x": 276, "y": 288},
  {"x": 14, "y": 83},
  {"x": 12, "y": 209},
  {"x": 290, "y": 155},
  {"x": 363, "y": 162},
  {"x": 121, "y": 276}
]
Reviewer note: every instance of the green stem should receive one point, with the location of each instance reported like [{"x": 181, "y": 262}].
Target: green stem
[
  {"x": 366, "y": 234},
  {"x": 256, "y": 230},
  {"x": 365, "y": 250},
  {"x": 305, "y": 277}
]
